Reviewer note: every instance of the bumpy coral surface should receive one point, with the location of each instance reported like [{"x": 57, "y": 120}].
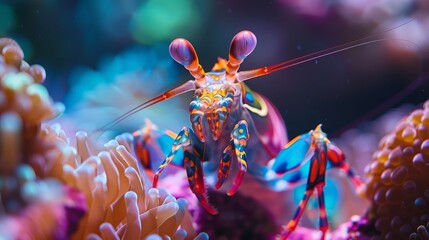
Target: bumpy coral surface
[
  {"x": 21, "y": 89},
  {"x": 26, "y": 199},
  {"x": 22, "y": 94},
  {"x": 397, "y": 182},
  {"x": 421, "y": 233}
]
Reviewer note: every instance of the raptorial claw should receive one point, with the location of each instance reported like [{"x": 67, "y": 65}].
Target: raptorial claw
[
  {"x": 219, "y": 123},
  {"x": 237, "y": 183},
  {"x": 224, "y": 165},
  {"x": 202, "y": 198},
  {"x": 239, "y": 135},
  {"x": 221, "y": 112},
  {"x": 196, "y": 120},
  {"x": 197, "y": 113},
  {"x": 194, "y": 171},
  {"x": 220, "y": 181}
]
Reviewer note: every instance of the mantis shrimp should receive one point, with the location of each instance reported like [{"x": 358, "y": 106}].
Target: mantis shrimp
[{"x": 231, "y": 125}]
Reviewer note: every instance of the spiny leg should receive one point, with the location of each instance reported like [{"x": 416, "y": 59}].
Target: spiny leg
[
  {"x": 225, "y": 164},
  {"x": 239, "y": 135},
  {"x": 195, "y": 175},
  {"x": 290, "y": 227},
  {"x": 323, "y": 219},
  {"x": 182, "y": 141}
]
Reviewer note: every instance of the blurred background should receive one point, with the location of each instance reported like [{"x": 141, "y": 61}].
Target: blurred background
[
  {"x": 104, "y": 57},
  {"x": 87, "y": 44}
]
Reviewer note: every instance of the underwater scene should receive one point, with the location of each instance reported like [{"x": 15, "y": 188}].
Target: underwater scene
[{"x": 165, "y": 119}]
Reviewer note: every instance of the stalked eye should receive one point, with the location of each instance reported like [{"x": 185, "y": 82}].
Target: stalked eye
[
  {"x": 182, "y": 51},
  {"x": 243, "y": 44}
]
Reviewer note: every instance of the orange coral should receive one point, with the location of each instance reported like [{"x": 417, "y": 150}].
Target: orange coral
[
  {"x": 118, "y": 197},
  {"x": 20, "y": 86},
  {"x": 29, "y": 207},
  {"x": 397, "y": 182},
  {"x": 120, "y": 203}
]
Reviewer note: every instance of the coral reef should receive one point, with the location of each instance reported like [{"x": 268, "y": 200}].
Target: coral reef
[
  {"x": 121, "y": 204},
  {"x": 56, "y": 184},
  {"x": 397, "y": 178},
  {"x": 78, "y": 192},
  {"x": 26, "y": 198}
]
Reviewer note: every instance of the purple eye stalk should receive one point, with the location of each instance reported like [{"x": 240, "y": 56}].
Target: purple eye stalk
[
  {"x": 242, "y": 45},
  {"x": 182, "y": 51}
]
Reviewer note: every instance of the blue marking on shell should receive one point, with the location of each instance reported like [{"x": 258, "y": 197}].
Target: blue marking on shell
[{"x": 250, "y": 98}]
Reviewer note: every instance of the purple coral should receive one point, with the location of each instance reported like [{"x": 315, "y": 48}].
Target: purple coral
[
  {"x": 421, "y": 233},
  {"x": 240, "y": 217}
]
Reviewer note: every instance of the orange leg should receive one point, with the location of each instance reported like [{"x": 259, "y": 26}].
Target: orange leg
[
  {"x": 290, "y": 227},
  {"x": 323, "y": 219},
  {"x": 194, "y": 171}
]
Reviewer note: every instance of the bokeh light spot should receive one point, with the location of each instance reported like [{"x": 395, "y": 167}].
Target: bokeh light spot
[
  {"x": 7, "y": 19},
  {"x": 158, "y": 20},
  {"x": 16, "y": 81}
]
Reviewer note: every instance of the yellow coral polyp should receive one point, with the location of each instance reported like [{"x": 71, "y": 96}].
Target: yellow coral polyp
[
  {"x": 397, "y": 178},
  {"x": 38, "y": 93},
  {"x": 16, "y": 81}
]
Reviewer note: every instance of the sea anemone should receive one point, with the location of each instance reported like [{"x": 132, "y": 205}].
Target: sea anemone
[
  {"x": 119, "y": 199},
  {"x": 69, "y": 191}
]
